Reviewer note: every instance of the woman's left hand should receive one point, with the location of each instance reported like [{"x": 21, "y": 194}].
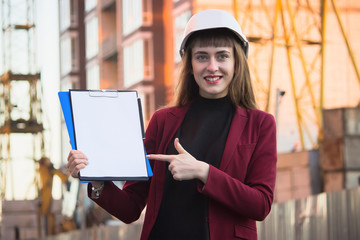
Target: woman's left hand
[{"x": 183, "y": 166}]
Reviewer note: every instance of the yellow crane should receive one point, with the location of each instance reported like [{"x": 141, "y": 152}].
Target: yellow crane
[{"x": 295, "y": 31}]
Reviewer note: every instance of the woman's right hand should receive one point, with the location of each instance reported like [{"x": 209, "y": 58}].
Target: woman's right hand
[{"x": 76, "y": 161}]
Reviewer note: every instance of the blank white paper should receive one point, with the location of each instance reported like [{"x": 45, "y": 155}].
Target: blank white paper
[{"x": 108, "y": 131}]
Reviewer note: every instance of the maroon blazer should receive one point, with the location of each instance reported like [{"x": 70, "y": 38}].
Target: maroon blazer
[{"x": 240, "y": 192}]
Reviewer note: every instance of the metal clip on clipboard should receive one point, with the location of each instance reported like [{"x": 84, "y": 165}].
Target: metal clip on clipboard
[{"x": 104, "y": 93}]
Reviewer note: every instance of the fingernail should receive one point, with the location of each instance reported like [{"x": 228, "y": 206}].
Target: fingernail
[{"x": 148, "y": 156}]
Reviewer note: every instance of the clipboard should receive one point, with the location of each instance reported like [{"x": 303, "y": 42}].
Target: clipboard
[{"x": 107, "y": 126}]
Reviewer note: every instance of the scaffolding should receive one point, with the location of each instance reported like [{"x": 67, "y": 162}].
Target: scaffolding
[
  {"x": 20, "y": 94},
  {"x": 289, "y": 39}
]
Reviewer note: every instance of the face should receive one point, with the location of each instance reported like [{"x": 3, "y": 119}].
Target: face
[{"x": 213, "y": 69}]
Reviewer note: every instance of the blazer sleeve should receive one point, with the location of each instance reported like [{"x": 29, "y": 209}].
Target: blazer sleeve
[
  {"x": 127, "y": 204},
  {"x": 251, "y": 195}
]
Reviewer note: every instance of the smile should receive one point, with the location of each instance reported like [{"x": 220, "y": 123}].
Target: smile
[{"x": 212, "y": 79}]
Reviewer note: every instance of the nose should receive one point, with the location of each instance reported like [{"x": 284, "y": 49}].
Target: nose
[{"x": 213, "y": 65}]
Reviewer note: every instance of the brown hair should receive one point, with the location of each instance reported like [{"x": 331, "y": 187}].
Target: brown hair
[{"x": 240, "y": 89}]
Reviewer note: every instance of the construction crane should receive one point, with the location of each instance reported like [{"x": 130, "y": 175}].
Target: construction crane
[
  {"x": 20, "y": 91},
  {"x": 23, "y": 159},
  {"x": 294, "y": 31}
]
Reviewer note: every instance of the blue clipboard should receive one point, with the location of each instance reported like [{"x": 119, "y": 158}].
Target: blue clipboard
[{"x": 65, "y": 103}]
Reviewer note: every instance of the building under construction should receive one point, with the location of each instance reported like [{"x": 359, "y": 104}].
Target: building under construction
[{"x": 304, "y": 59}]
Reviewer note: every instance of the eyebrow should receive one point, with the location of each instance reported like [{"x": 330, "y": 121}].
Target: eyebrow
[{"x": 204, "y": 52}]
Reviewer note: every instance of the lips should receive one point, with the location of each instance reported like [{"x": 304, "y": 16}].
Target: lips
[{"x": 212, "y": 79}]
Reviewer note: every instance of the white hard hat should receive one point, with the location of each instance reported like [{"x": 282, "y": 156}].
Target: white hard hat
[{"x": 210, "y": 19}]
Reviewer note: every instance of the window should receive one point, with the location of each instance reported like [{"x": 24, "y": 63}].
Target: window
[
  {"x": 65, "y": 46},
  {"x": 138, "y": 59},
  {"x": 64, "y": 14},
  {"x": 68, "y": 14},
  {"x": 91, "y": 35},
  {"x": 132, "y": 15},
  {"x": 90, "y": 5},
  {"x": 93, "y": 77},
  {"x": 135, "y": 14},
  {"x": 133, "y": 63},
  {"x": 69, "y": 54}
]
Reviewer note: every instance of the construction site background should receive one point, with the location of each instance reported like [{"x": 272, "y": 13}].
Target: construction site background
[{"x": 306, "y": 75}]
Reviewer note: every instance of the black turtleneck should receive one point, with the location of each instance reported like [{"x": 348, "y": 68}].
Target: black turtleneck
[{"x": 203, "y": 133}]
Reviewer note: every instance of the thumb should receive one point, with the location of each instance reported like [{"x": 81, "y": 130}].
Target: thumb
[{"x": 178, "y": 146}]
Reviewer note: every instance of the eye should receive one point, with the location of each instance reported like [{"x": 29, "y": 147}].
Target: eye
[
  {"x": 201, "y": 57},
  {"x": 223, "y": 56}
]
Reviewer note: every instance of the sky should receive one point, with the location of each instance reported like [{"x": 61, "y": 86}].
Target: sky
[{"x": 48, "y": 42}]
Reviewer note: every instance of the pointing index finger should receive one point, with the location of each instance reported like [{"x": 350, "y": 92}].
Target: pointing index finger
[{"x": 159, "y": 157}]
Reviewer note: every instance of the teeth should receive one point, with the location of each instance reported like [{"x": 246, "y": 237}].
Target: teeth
[{"x": 212, "y": 78}]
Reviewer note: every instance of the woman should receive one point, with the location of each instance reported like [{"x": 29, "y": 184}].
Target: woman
[{"x": 213, "y": 154}]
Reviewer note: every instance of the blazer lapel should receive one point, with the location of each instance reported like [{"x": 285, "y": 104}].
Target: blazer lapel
[
  {"x": 173, "y": 120},
  {"x": 237, "y": 126}
]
